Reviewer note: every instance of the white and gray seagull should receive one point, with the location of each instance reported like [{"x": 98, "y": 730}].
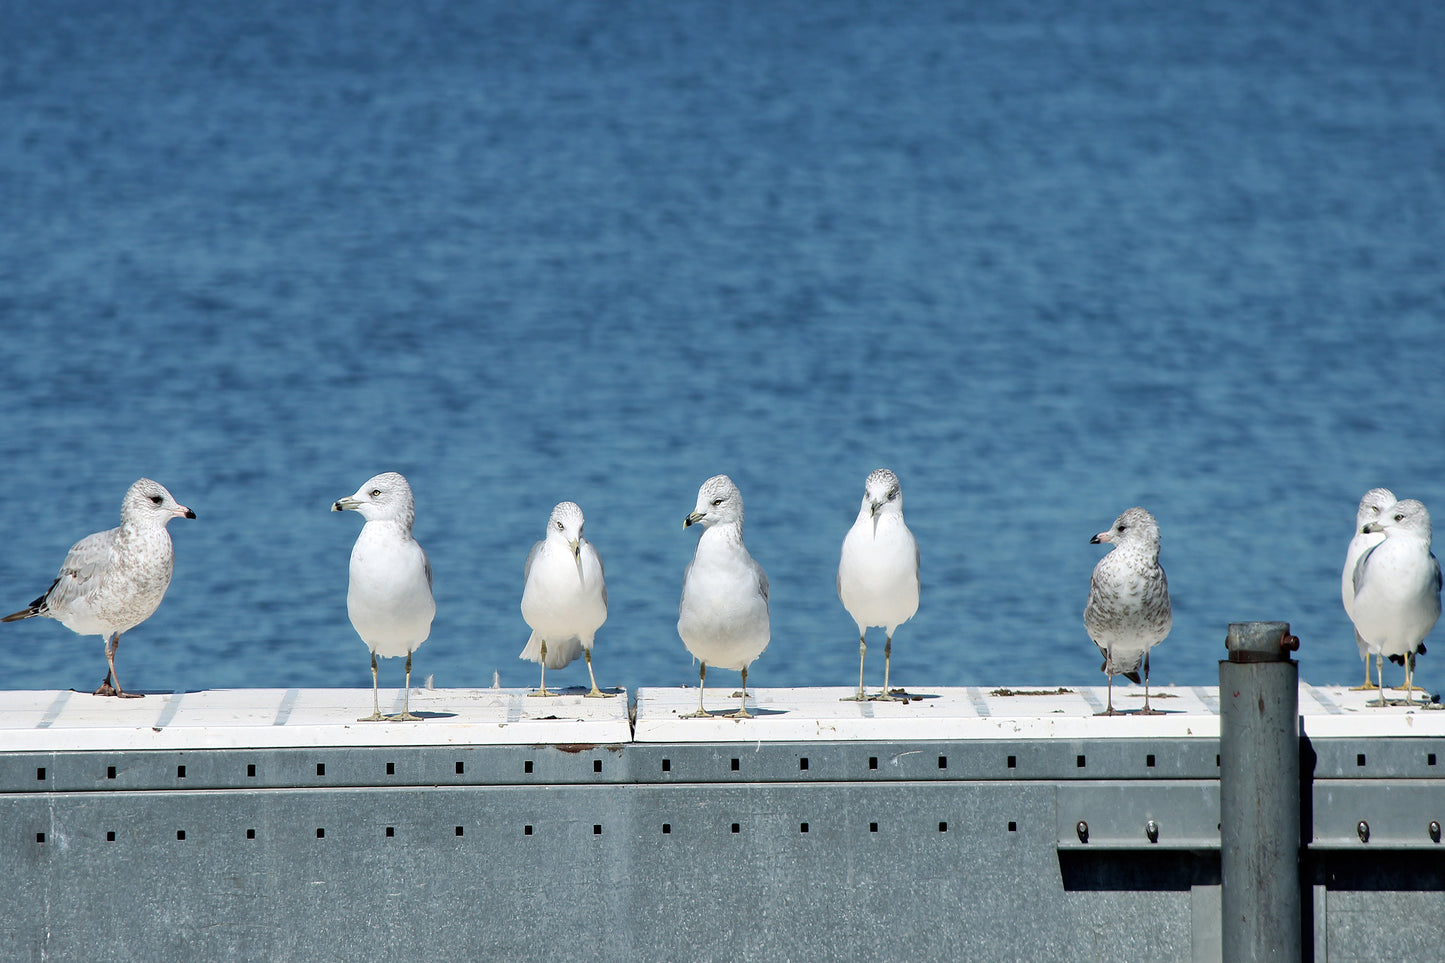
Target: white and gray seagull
[
  {"x": 1375, "y": 501},
  {"x": 723, "y": 615},
  {"x": 112, "y": 581},
  {"x": 878, "y": 570},
  {"x": 564, "y": 599},
  {"x": 389, "y": 596},
  {"x": 1128, "y": 610},
  {"x": 1397, "y": 590}
]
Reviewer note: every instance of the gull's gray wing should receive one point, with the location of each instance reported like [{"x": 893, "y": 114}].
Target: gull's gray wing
[
  {"x": 81, "y": 571},
  {"x": 426, "y": 563},
  {"x": 527, "y": 568},
  {"x": 600, "y": 568},
  {"x": 1359, "y": 576}
]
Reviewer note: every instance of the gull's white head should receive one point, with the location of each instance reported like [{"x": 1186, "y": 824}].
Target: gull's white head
[
  {"x": 1376, "y": 501},
  {"x": 882, "y": 495},
  {"x": 384, "y": 497},
  {"x": 1407, "y": 518},
  {"x": 148, "y": 503},
  {"x": 718, "y": 503},
  {"x": 1135, "y": 528},
  {"x": 566, "y": 523}
]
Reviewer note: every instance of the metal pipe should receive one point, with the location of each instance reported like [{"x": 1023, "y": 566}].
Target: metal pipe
[{"x": 1259, "y": 794}]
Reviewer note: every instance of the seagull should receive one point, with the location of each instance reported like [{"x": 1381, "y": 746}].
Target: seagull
[
  {"x": 112, "y": 581},
  {"x": 1376, "y": 500},
  {"x": 723, "y": 615},
  {"x": 878, "y": 570},
  {"x": 1128, "y": 609},
  {"x": 389, "y": 598},
  {"x": 565, "y": 598},
  {"x": 1397, "y": 589}
]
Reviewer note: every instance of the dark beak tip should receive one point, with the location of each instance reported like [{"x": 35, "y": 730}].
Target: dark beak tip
[
  {"x": 1094, "y": 540},
  {"x": 336, "y": 506},
  {"x": 190, "y": 514}
]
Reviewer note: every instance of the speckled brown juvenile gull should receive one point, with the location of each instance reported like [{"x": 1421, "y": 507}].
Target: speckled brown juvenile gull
[
  {"x": 1128, "y": 610},
  {"x": 112, "y": 581}
]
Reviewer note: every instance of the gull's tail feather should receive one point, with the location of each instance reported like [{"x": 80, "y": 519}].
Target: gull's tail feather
[
  {"x": 560, "y": 652},
  {"x": 33, "y": 609}
]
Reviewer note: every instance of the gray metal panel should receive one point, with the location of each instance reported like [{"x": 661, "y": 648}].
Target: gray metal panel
[
  {"x": 1120, "y": 815},
  {"x": 1379, "y": 814},
  {"x": 607, "y": 872}
]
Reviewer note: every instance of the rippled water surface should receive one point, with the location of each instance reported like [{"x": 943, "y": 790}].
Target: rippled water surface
[{"x": 1046, "y": 261}]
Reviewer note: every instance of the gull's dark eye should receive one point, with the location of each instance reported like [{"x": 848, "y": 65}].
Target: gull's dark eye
[
  {"x": 1121, "y": 528},
  {"x": 376, "y": 493},
  {"x": 157, "y": 499},
  {"x": 1399, "y": 518},
  {"x": 716, "y": 502},
  {"x": 559, "y": 526},
  {"x": 893, "y": 494}
]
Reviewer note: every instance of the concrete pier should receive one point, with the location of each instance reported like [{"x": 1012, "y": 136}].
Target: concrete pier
[{"x": 969, "y": 823}]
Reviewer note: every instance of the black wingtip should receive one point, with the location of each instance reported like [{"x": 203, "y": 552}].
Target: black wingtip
[{"x": 1133, "y": 677}]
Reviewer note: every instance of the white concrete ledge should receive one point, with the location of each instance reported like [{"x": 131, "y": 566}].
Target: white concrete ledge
[
  {"x": 1011, "y": 712},
  {"x": 303, "y": 718},
  {"x": 66, "y": 721}
]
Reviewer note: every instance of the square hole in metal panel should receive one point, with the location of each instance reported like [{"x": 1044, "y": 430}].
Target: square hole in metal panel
[
  {"x": 802, "y": 827},
  {"x": 110, "y": 836},
  {"x": 1430, "y": 759},
  {"x": 734, "y": 765},
  {"x": 1149, "y": 761},
  {"x": 460, "y": 769},
  {"x": 250, "y": 834},
  {"x": 872, "y": 762},
  {"x": 391, "y": 769},
  {"x": 1079, "y": 761},
  {"x": 40, "y": 837},
  {"x": 1013, "y": 827},
  {"x": 40, "y": 773},
  {"x": 1359, "y": 759},
  {"x": 180, "y": 834},
  {"x": 526, "y": 830},
  {"x": 942, "y": 762},
  {"x": 459, "y": 830},
  {"x": 527, "y": 766},
  {"x": 873, "y": 827},
  {"x": 596, "y": 765},
  {"x": 390, "y": 831},
  {"x": 180, "y": 772},
  {"x": 667, "y": 765},
  {"x": 320, "y": 833},
  {"x": 596, "y": 829},
  {"x": 666, "y": 829},
  {"x": 803, "y": 763},
  {"x": 251, "y": 770},
  {"x": 321, "y": 769},
  {"x": 943, "y": 827},
  {"x": 736, "y": 827},
  {"x": 110, "y": 772},
  {"x": 1013, "y": 762}
]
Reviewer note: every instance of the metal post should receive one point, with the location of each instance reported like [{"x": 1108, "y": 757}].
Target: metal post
[{"x": 1259, "y": 794}]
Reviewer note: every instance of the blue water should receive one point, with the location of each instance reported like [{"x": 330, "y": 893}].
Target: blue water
[{"x": 1044, "y": 260}]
